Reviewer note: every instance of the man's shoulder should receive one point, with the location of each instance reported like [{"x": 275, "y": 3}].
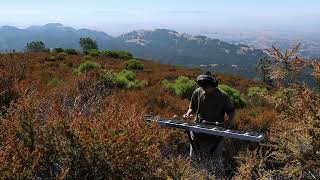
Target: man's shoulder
[
  {"x": 222, "y": 93},
  {"x": 198, "y": 91}
]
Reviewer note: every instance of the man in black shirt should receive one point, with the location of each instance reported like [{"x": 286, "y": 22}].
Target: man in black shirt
[{"x": 209, "y": 105}]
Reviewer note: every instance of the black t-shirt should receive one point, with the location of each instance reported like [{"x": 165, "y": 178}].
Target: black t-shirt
[{"x": 210, "y": 107}]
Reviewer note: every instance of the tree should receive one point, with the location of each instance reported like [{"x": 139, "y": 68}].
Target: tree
[
  {"x": 36, "y": 46},
  {"x": 87, "y": 44},
  {"x": 263, "y": 70}
]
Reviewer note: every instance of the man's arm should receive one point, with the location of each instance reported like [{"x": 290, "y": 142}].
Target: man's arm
[
  {"x": 230, "y": 110},
  {"x": 231, "y": 116},
  {"x": 192, "y": 106},
  {"x": 189, "y": 112}
]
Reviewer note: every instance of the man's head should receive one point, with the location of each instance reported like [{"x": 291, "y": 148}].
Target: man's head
[{"x": 207, "y": 82}]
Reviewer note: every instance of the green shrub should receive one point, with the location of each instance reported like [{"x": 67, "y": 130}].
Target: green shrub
[
  {"x": 286, "y": 93},
  {"x": 109, "y": 76},
  {"x": 234, "y": 95},
  {"x": 134, "y": 64},
  {"x": 126, "y": 80},
  {"x": 58, "y": 50},
  {"x": 127, "y": 74},
  {"x": 87, "y": 43},
  {"x": 93, "y": 52},
  {"x": 117, "y": 54},
  {"x": 254, "y": 91},
  {"x": 71, "y": 51},
  {"x": 183, "y": 86},
  {"x": 87, "y": 58},
  {"x": 136, "y": 84},
  {"x": 55, "y": 82},
  {"x": 168, "y": 85},
  {"x": 36, "y": 46},
  {"x": 122, "y": 82},
  {"x": 87, "y": 66}
]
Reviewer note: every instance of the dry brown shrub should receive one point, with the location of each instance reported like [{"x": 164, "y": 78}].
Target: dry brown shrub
[
  {"x": 181, "y": 168},
  {"x": 294, "y": 139},
  {"x": 116, "y": 143},
  {"x": 80, "y": 130},
  {"x": 255, "y": 119}
]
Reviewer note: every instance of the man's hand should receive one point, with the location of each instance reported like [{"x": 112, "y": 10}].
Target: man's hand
[{"x": 188, "y": 114}]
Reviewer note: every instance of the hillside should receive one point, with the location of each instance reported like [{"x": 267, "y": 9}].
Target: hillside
[
  {"x": 62, "y": 121},
  {"x": 162, "y": 45}
]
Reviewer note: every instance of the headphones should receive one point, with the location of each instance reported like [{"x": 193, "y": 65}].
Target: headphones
[{"x": 205, "y": 79}]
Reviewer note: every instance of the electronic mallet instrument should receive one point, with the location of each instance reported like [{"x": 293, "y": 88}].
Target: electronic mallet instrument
[{"x": 208, "y": 129}]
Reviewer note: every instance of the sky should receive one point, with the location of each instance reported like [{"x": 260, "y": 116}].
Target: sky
[{"x": 119, "y": 16}]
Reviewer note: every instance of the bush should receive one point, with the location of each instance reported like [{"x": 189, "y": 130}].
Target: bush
[
  {"x": 134, "y": 64},
  {"x": 117, "y": 54},
  {"x": 87, "y": 58},
  {"x": 256, "y": 96},
  {"x": 88, "y": 44},
  {"x": 55, "y": 58},
  {"x": 8, "y": 94},
  {"x": 254, "y": 91},
  {"x": 126, "y": 80},
  {"x": 108, "y": 78},
  {"x": 127, "y": 74},
  {"x": 136, "y": 84},
  {"x": 63, "y": 54},
  {"x": 37, "y": 46},
  {"x": 55, "y": 82},
  {"x": 122, "y": 82},
  {"x": 58, "y": 50},
  {"x": 169, "y": 86},
  {"x": 183, "y": 86},
  {"x": 86, "y": 66},
  {"x": 234, "y": 95},
  {"x": 71, "y": 51},
  {"x": 93, "y": 52},
  {"x": 285, "y": 93},
  {"x": 114, "y": 142}
]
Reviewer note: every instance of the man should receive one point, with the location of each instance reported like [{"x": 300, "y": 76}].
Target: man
[{"x": 209, "y": 105}]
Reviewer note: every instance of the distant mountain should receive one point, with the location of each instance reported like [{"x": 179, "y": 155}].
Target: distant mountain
[
  {"x": 284, "y": 38},
  {"x": 171, "y": 47},
  {"x": 53, "y": 35},
  {"x": 162, "y": 45}
]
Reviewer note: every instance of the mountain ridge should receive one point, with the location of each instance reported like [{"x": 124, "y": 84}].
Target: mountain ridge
[{"x": 162, "y": 45}]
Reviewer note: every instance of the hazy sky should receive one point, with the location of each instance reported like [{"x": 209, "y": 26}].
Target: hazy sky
[{"x": 123, "y": 15}]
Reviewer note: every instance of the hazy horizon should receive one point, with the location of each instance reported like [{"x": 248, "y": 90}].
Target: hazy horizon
[{"x": 119, "y": 17}]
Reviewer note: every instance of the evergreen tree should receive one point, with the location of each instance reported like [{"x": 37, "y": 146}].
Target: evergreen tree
[
  {"x": 36, "y": 46},
  {"x": 88, "y": 44}
]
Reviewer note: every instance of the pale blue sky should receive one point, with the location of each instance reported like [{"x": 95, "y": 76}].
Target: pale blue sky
[{"x": 124, "y": 15}]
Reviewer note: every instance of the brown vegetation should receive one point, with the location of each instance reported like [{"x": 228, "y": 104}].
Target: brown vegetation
[
  {"x": 292, "y": 150},
  {"x": 88, "y": 128}
]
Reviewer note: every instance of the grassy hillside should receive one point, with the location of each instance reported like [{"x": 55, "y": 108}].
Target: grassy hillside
[{"x": 62, "y": 121}]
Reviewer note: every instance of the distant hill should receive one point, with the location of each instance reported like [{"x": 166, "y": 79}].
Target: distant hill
[
  {"x": 162, "y": 45},
  {"x": 283, "y": 38},
  {"x": 171, "y": 47},
  {"x": 53, "y": 35}
]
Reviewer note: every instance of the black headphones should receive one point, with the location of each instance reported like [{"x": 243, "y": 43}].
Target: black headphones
[{"x": 204, "y": 80}]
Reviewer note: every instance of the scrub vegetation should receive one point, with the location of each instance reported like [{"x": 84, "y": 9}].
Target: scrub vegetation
[{"x": 91, "y": 125}]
